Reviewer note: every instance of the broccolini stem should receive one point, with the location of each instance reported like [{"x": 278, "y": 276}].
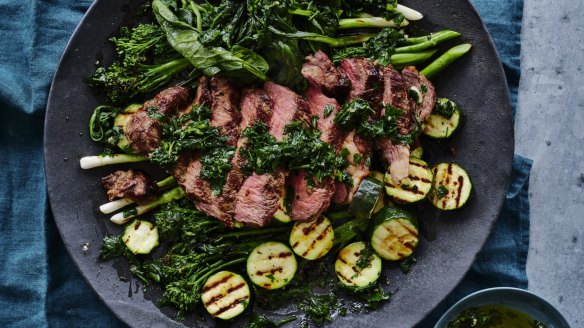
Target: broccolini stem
[
  {"x": 89, "y": 162},
  {"x": 445, "y": 60},
  {"x": 409, "y": 59},
  {"x": 123, "y": 217},
  {"x": 333, "y": 42},
  {"x": 254, "y": 232},
  {"x": 115, "y": 205},
  {"x": 216, "y": 267},
  {"x": 347, "y": 23},
  {"x": 301, "y": 12},
  {"x": 431, "y": 41}
]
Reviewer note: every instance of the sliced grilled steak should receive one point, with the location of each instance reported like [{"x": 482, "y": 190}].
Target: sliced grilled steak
[
  {"x": 287, "y": 107},
  {"x": 203, "y": 96},
  {"x": 319, "y": 105},
  {"x": 225, "y": 108},
  {"x": 320, "y": 72},
  {"x": 132, "y": 184},
  {"x": 187, "y": 173},
  {"x": 309, "y": 202},
  {"x": 366, "y": 79},
  {"x": 226, "y": 116},
  {"x": 359, "y": 150},
  {"x": 422, "y": 107},
  {"x": 397, "y": 156},
  {"x": 257, "y": 199},
  {"x": 144, "y": 132}
]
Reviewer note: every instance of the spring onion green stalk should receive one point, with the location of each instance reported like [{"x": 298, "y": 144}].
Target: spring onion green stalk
[
  {"x": 347, "y": 23},
  {"x": 430, "y": 41},
  {"x": 89, "y": 162},
  {"x": 409, "y": 13},
  {"x": 409, "y": 59},
  {"x": 115, "y": 205},
  {"x": 123, "y": 217},
  {"x": 333, "y": 42},
  {"x": 445, "y": 60}
]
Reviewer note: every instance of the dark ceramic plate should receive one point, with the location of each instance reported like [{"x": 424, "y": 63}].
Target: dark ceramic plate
[{"x": 450, "y": 241}]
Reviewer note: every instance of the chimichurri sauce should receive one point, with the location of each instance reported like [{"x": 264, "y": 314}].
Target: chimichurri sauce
[{"x": 494, "y": 316}]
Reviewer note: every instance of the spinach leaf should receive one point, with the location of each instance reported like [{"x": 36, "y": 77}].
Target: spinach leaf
[{"x": 237, "y": 62}]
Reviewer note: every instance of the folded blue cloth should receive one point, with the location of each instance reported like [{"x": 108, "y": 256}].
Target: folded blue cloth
[{"x": 39, "y": 284}]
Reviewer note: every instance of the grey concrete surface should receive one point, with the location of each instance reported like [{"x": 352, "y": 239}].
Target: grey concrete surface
[{"x": 550, "y": 130}]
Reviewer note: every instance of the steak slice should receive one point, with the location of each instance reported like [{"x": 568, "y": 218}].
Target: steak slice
[
  {"x": 366, "y": 79},
  {"x": 287, "y": 107},
  {"x": 359, "y": 150},
  {"x": 397, "y": 156},
  {"x": 225, "y": 108},
  {"x": 422, "y": 108},
  {"x": 257, "y": 199},
  {"x": 319, "y": 105},
  {"x": 309, "y": 202},
  {"x": 187, "y": 173},
  {"x": 202, "y": 97},
  {"x": 144, "y": 132},
  {"x": 226, "y": 116},
  {"x": 320, "y": 72},
  {"x": 132, "y": 184}
]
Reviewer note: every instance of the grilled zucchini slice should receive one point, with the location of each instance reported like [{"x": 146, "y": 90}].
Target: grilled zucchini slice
[
  {"x": 281, "y": 214},
  {"x": 271, "y": 265},
  {"x": 452, "y": 186},
  {"x": 312, "y": 240},
  {"x": 413, "y": 188},
  {"x": 140, "y": 236},
  {"x": 418, "y": 152},
  {"x": 225, "y": 295},
  {"x": 395, "y": 234},
  {"x": 120, "y": 123},
  {"x": 444, "y": 120},
  {"x": 367, "y": 196},
  {"x": 354, "y": 274}
]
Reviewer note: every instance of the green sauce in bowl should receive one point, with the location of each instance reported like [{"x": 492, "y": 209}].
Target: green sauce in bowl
[{"x": 494, "y": 316}]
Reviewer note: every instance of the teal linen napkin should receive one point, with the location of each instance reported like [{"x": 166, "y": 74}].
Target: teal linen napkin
[{"x": 39, "y": 284}]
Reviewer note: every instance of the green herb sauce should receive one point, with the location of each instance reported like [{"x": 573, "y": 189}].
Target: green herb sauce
[{"x": 494, "y": 316}]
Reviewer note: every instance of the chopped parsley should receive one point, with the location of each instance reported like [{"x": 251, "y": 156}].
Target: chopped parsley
[
  {"x": 154, "y": 114},
  {"x": 441, "y": 192},
  {"x": 328, "y": 109},
  {"x": 445, "y": 107},
  {"x": 357, "y": 158}
]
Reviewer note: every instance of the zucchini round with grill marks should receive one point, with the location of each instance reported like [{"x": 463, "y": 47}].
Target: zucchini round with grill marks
[
  {"x": 444, "y": 120},
  {"x": 395, "y": 234},
  {"x": 356, "y": 267},
  {"x": 413, "y": 188},
  {"x": 312, "y": 240},
  {"x": 271, "y": 265},
  {"x": 225, "y": 295},
  {"x": 140, "y": 236},
  {"x": 452, "y": 186},
  {"x": 368, "y": 194}
]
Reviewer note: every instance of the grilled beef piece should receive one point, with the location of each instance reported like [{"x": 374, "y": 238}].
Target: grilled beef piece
[
  {"x": 144, "y": 132},
  {"x": 132, "y": 184},
  {"x": 309, "y": 202},
  {"x": 202, "y": 97},
  {"x": 319, "y": 104},
  {"x": 320, "y": 72},
  {"x": 225, "y": 108},
  {"x": 397, "y": 156},
  {"x": 395, "y": 93},
  {"x": 366, "y": 79},
  {"x": 257, "y": 199},
  {"x": 187, "y": 173},
  {"x": 422, "y": 108},
  {"x": 359, "y": 150},
  {"x": 287, "y": 107},
  {"x": 225, "y": 115}
]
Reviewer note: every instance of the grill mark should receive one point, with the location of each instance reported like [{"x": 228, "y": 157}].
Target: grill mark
[
  {"x": 284, "y": 255},
  {"x": 271, "y": 271},
  {"x": 459, "y": 196},
  {"x": 295, "y": 244},
  {"x": 412, "y": 232},
  {"x": 343, "y": 277},
  {"x": 310, "y": 228},
  {"x": 234, "y": 288},
  {"x": 416, "y": 178},
  {"x": 342, "y": 259},
  {"x": 417, "y": 164},
  {"x": 324, "y": 233},
  {"x": 222, "y": 281},
  {"x": 355, "y": 269},
  {"x": 412, "y": 190},
  {"x": 230, "y": 306}
]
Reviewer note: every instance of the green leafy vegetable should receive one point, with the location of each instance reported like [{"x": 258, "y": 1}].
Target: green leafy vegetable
[
  {"x": 445, "y": 107},
  {"x": 101, "y": 125},
  {"x": 261, "y": 321},
  {"x": 216, "y": 164}
]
